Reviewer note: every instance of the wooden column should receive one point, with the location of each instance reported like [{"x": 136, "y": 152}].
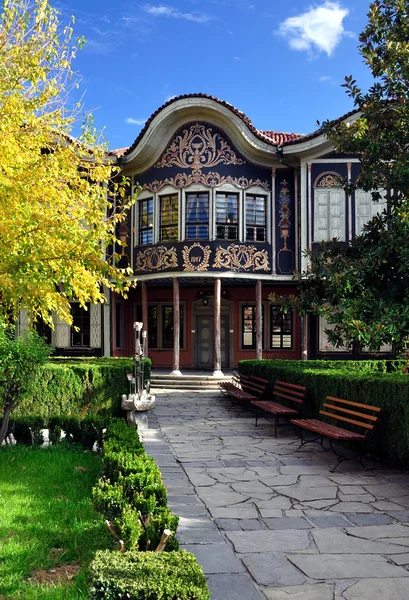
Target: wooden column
[
  {"x": 176, "y": 328},
  {"x": 217, "y": 339},
  {"x": 145, "y": 313},
  {"x": 259, "y": 325}
]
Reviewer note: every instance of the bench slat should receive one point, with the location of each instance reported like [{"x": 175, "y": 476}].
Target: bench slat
[
  {"x": 293, "y": 393},
  {"x": 328, "y": 430},
  {"x": 260, "y": 379},
  {"x": 293, "y": 385},
  {"x": 274, "y": 408},
  {"x": 337, "y": 417},
  {"x": 280, "y": 395},
  {"x": 357, "y": 404},
  {"x": 351, "y": 412}
]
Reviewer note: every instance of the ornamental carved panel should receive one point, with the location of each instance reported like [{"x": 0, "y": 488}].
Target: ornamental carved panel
[
  {"x": 240, "y": 257},
  {"x": 202, "y": 257},
  {"x": 199, "y": 147},
  {"x": 196, "y": 257},
  {"x": 329, "y": 180},
  {"x": 211, "y": 179},
  {"x": 156, "y": 258}
]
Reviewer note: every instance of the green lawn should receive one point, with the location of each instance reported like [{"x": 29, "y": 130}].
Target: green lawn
[{"x": 47, "y": 521}]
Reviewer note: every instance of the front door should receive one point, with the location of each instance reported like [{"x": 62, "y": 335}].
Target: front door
[{"x": 205, "y": 343}]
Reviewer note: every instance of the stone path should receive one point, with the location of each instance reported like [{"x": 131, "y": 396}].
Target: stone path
[{"x": 267, "y": 521}]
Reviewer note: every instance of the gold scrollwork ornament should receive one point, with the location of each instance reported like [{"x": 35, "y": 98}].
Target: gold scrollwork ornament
[
  {"x": 196, "y": 263},
  {"x": 157, "y": 259},
  {"x": 238, "y": 257}
]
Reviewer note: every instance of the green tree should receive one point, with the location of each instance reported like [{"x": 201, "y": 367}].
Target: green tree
[
  {"x": 57, "y": 194},
  {"x": 20, "y": 361},
  {"x": 363, "y": 288}
]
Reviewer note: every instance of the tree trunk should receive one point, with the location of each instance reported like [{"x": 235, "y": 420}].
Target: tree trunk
[{"x": 5, "y": 423}]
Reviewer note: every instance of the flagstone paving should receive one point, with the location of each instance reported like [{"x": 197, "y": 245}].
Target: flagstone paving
[{"x": 268, "y": 521}]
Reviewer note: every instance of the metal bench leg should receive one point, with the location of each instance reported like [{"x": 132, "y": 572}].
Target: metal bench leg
[
  {"x": 358, "y": 457},
  {"x": 276, "y": 425},
  {"x": 299, "y": 432},
  {"x": 256, "y": 415}
]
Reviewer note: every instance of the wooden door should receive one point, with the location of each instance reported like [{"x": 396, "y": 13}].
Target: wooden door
[{"x": 204, "y": 331}]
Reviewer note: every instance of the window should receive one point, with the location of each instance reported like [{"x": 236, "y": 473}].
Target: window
[
  {"x": 197, "y": 216},
  {"x": 281, "y": 329},
  {"x": 169, "y": 218},
  {"x": 152, "y": 323},
  {"x": 44, "y": 330},
  {"x": 167, "y": 326},
  {"x": 248, "y": 327},
  {"x": 366, "y": 208},
  {"x": 152, "y": 326},
  {"x": 146, "y": 221},
  {"x": 256, "y": 218},
  {"x": 81, "y": 327},
  {"x": 329, "y": 214},
  {"x": 227, "y": 206},
  {"x": 119, "y": 325}
]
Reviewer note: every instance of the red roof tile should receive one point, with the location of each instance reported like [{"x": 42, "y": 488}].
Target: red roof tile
[
  {"x": 267, "y": 136},
  {"x": 275, "y": 138}
]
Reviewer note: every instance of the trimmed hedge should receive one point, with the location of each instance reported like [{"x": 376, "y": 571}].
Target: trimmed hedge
[
  {"x": 147, "y": 576},
  {"x": 359, "y": 381},
  {"x": 131, "y": 493},
  {"x": 77, "y": 387}
]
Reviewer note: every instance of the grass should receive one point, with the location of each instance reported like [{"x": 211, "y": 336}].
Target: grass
[{"x": 47, "y": 521}]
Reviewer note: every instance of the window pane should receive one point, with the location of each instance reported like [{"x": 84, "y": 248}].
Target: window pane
[
  {"x": 152, "y": 326},
  {"x": 197, "y": 216},
  {"x": 226, "y": 216},
  {"x": 249, "y": 326},
  {"x": 169, "y": 217},
  {"x": 167, "y": 326},
  {"x": 80, "y": 320},
  {"x": 152, "y": 323},
  {"x": 281, "y": 328},
  {"x": 146, "y": 221},
  {"x": 255, "y": 218}
]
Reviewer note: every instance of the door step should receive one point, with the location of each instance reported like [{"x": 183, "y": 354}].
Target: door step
[{"x": 187, "y": 382}]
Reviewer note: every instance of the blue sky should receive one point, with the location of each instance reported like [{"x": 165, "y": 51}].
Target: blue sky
[{"x": 281, "y": 63}]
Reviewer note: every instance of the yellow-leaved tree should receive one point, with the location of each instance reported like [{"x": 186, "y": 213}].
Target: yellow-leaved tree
[{"x": 56, "y": 214}]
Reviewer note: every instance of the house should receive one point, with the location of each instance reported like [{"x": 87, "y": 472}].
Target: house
[{"x": 224, "y": 214}]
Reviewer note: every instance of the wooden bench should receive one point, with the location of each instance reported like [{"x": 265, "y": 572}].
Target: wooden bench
[
  {"x": 251, "y": 388},
  {"x": 282, "y": 389},
  {"x": 345, "y": 411},
  {"x": 226, "y": 386}
]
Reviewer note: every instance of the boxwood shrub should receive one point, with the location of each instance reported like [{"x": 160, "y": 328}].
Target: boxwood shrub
[
  {"x": 379, "y": 383},
  {"x": 77, "y": 387},
  {"x": 131, "y": 491},
  {"x": 147, "y": 576}
]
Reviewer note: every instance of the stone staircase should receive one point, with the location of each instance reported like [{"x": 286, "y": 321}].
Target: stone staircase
[{"x": 188, "y": 381}]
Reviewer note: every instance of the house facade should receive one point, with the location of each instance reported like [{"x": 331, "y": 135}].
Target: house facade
[{"x": 221, "y": 221}]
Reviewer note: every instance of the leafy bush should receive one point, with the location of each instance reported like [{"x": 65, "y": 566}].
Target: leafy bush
[
  {"x": 147, "y": 576},
  {"x": 21, "y": 358},
  {"x": 77, "y": 387},
  {"x": 367, "y": 383}
]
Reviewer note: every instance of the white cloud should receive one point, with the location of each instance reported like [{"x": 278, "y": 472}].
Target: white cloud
[
  {"x": 131, "y": 121},
  {"x": 320, "y": 28},
  {"x": 174, "y": 13}
]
